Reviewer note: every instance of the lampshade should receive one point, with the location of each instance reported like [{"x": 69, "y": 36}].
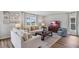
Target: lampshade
[
  {"x": 18, "y": 25},
  {"x": 43, "y": 24}
]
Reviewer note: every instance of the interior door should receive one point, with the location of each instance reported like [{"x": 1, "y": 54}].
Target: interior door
[{"x": 72, "y": 24}]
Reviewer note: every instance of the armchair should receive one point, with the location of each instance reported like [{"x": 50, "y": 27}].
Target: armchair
[{"x": 62, "y": 32}]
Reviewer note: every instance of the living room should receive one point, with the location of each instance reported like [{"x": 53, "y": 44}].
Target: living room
[{"x": 23, "y": 29}]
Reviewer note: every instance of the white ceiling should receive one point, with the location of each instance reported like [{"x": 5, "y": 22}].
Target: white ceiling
[{"x": 45, "y": 13}]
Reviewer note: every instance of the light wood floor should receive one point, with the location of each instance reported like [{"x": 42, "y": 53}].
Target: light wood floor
[
  {"x": 67, "y": 42},
  {"x": 5, "y": 43}
]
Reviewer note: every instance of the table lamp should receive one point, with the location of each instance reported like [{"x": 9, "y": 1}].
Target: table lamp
[
  {"x": 18, "y": 25},
  {"x": 42, "y": 24}
]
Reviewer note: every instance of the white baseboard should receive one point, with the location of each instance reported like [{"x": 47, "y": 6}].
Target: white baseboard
[{"x": 4, "y": 36}]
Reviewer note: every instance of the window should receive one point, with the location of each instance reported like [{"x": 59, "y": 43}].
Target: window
[
  {"x": 72, "y": 20},
  {"x": 73, "y": 24},
  {"x": 30, "y": 20}
]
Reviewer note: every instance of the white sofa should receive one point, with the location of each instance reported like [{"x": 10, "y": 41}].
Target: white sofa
[
  {"x": 16, "y": 38},
  {"x": 33, "y": 42}
]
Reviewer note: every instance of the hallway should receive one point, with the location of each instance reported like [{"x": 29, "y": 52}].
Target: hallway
[{"x": 67, "y": 42}]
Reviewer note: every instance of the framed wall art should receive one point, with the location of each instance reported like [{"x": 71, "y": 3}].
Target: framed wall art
[{"x": 10, "y": 17}]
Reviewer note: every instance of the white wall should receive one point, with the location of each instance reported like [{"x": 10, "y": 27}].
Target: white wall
[
  {"x": 70, "y": 31},
  {"x": 1, "y": 22},
  {"x": 78, "y": 22},
  {"x": 63, "y": 18},
  {"x": 40, "y": 19},
  {"x": 6, "y": 28}
]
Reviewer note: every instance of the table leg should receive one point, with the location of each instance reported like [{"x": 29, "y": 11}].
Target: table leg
[{"x": 42, "y": 38}]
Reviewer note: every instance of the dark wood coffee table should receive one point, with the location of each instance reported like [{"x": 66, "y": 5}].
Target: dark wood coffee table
[{"x": 44, "y": 34}]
